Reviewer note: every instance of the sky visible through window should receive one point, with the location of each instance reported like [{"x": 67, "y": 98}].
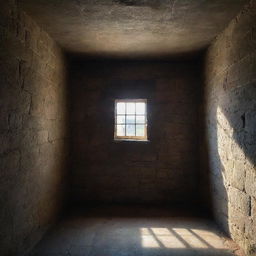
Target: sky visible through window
[{"x": 131, "y": 119}]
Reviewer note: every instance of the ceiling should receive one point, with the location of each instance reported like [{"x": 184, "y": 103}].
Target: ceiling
[{"x": 133, "y": 28}]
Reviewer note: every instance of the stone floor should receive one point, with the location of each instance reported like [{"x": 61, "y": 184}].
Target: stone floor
[{"x": 134, "y": 231}]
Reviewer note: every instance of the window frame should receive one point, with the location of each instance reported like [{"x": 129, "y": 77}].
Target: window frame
[{"x": 145, "y": 124}]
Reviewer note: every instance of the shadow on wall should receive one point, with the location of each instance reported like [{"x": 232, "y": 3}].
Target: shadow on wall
[
  {"x": 230, "y": 95},
  {"x": 33, "y": 131},
  {"x": 230, "y": 125}
]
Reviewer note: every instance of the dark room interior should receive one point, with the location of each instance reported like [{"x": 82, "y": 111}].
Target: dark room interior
[{"x": 128, "y": 127}]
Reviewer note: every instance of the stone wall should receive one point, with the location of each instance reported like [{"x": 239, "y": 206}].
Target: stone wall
[
  {"x": 230, "y": 96},
  {"x": 32, "y": 130},
  {"x": 163, "y": 170}
]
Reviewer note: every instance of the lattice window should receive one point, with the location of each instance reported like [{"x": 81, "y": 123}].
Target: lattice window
[{"x": 131, "y": 119}]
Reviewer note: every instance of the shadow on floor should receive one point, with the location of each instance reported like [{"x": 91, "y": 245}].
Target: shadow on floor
[{"x": 135, "y": 231}]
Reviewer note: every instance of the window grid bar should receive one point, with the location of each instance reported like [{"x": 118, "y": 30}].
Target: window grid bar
[
  {"x": 132, "y": 123},
  {"x": 131, "y": 115},
  {"x": 125, "y": 120},
  {"x": 135, "y": 118}
]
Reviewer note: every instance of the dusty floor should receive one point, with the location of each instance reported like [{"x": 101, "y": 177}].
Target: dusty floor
[{"x": 133, "y": 231}]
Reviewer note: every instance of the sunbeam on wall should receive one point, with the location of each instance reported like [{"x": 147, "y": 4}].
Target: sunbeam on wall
[
  {"x": 232, "y": 165},
  {"x": 230, "y": 113}
]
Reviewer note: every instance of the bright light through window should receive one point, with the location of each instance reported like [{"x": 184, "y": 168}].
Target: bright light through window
[{"x": 131, "y": 119}]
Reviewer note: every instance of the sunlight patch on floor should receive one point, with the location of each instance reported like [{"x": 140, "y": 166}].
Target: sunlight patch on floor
[
  {"x": 190, "y": 239},
  {"x": 160, "y": 237},
  {"x": 179, "y": 238}
]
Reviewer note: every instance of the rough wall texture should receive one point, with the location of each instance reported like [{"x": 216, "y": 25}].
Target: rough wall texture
[
  {"x": 32, "y": 130},
  {"x": 160, "y": 171},
  {"x": 230, "y": 96}
]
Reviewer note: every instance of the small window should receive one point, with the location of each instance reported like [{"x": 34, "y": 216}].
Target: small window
[{"x": 131, "y": 120}]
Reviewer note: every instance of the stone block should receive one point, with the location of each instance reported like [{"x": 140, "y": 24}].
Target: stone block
[
  {"x": 57, "y": 130},
  {"x": 253, "y": 208},
  {"x": 238, "y": 175},
  {"x": 239, "y": 200},
  {"x": 220, "y": 203},
  {"x": 4, "y": 120},
  {"x": 9, "y": 141},
  {"x": 236, "y": 218},
  {"x": 10, "y": 164},
  {"x": 250, "y": 182},
  {"x": 34, "y": 122},
  {"x": 15, "y": 121}
]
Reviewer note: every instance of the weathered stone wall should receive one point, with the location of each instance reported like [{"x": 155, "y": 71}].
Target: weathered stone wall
[
  {"x": 230, "y": 96},
  {"x": 32, "y": 130},
  {"x": 160, "y": 171}
]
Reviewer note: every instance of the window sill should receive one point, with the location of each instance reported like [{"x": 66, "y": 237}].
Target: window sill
[{"x": 130, "y": 140}]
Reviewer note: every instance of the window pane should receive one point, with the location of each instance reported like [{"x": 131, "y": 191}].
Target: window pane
[
  {"x": 120, "y": 119},
  {"x": 130, "y": 119},
  {"x": 120, "y": 130},
  {"x": 140, "y": 108},
  {"x": 140, "y": 119},
  {"x": 120, "y": 108},
  {"x": 130, "y": 108},
  {"x": 130, "y": 130},
  {"x": 140, "y": 130}
]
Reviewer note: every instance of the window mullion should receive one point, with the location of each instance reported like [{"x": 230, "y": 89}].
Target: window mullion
[
  {"x": 125, "y": 120},
  {"x": 135, "y": 118}
]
